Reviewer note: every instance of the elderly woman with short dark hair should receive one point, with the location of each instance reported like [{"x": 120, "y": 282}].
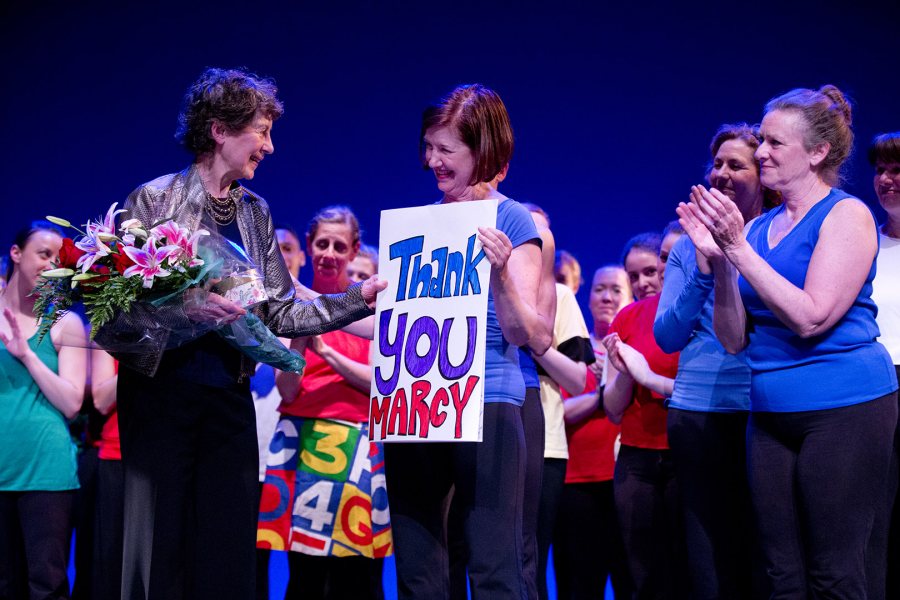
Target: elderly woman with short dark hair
[
  {"x": 186, "y": 416},
  {"x": 466, "y": 141}
]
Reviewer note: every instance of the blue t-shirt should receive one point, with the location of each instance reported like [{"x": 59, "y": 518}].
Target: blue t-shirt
[
  {"x": 709, "y": 379},
  {"x": 840, "y": 367},
  {"x": 529, "y": 369},
  {"x": 503, "y": 380}
]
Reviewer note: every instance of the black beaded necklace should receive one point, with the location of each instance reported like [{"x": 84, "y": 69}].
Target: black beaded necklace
[{"x": 222, "y": 210}]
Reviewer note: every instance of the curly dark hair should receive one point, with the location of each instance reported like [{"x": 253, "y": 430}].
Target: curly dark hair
[{"x": 231, "y": 97}]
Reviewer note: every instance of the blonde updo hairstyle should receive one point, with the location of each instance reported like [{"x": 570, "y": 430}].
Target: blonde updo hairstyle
[{"x": 827, "y": 116}]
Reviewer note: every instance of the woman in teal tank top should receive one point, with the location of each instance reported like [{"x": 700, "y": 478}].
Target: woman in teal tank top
[
  {"x": 41, "y": 387},
  {"x": 823, "y": 390}
]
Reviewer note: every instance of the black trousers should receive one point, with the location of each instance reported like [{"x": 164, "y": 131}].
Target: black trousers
[
  {"x": 710, "y": 456},
  {"x": 587, "y": 544},
  {"x": 532, "y": 413},
  {"x": 816, "y": 479},
  {"x": 488, "y": 480},
  {"x": 191, "y": 489},
  {"x": 883, "y": 554},
  {"x": 647, "y": 505},
  {"x": 108, "y": 525},
  {"x": 35, "y": 530},
  {"x": 533, "y": 427}
]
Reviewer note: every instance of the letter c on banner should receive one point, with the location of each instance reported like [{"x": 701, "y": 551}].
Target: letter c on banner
[{"x": 283, "y": 448}]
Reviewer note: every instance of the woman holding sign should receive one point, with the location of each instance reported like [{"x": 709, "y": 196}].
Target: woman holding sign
[
  {"x": 321, "y": 464},
  {"x": 466, "y": 140}
]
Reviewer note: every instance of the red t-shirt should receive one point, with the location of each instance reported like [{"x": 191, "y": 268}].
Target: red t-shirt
[
  {"x": 644, "y": 421},
  {"x": 323, "y": 393},
  {"x": 591, "y": 444},
  {"x": 109, "y": 439}
]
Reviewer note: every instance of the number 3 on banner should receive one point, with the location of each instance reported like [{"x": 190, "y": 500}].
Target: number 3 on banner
[
  {"x": 312, "y": 505},
  {"x": 327, "y": 446}
]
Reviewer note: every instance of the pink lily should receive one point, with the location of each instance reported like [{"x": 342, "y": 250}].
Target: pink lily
[
  {"x": 93, "y": 242},
  {"x": 148, "y": 261},
  {"x": 181, "y": 237}
]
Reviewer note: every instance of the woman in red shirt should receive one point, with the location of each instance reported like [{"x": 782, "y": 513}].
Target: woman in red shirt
[
  {"x": 639, "y": 379},
  {"x": 324, "y": 498}
]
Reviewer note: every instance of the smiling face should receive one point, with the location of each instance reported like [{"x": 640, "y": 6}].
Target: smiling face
[
  {"x": 783, "y": 157},
  {"x": 451, "y": 161},
  {"x": 610, "y": 291},
  {"x": 242, "y": 151},
  {"x": 735, "y": 173},
  {"x": 39, "y": 254},
  {"x": 330, "y": 251},
  {"x": 887, "y": 187},
  {"x": 643, "y": 273}
]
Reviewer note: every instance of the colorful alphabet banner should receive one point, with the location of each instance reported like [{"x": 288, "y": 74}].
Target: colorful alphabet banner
[
  {"x": 325, "y": 492},
  {"x": 430, "y": 324}
]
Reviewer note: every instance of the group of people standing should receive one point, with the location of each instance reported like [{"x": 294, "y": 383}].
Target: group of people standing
[{"x": 729, "y": 434}]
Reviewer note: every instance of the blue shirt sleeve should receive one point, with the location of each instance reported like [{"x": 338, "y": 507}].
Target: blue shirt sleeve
[
  {"x": 685, "y": 290},
  {"x": 515, "y": 221}
]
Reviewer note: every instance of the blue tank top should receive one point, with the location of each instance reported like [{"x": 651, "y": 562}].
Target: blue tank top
[
  {"x": 529, "y": 369},
  {"x": 840, "y": 367}
]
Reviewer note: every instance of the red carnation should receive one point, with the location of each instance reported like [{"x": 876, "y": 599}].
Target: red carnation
[
  {"x": 120, "y": 260},
  {"x": 69, "y": 254},
  {"x": 102, "y": 273}
]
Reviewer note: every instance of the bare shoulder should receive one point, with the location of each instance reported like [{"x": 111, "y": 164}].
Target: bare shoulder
[
  {"x": 69, "y": 331},
  {"x": 849, "y": 215}
]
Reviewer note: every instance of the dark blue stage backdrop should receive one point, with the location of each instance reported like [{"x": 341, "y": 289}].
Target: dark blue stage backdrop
[{"x": 613, "y": 105}]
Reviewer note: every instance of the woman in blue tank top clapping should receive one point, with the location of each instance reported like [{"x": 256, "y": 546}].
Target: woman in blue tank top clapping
[{"x": 793, "y": 289}]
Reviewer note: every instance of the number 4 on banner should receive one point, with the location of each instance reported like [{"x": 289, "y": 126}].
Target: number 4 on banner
[{"x": 312, "y": 505}]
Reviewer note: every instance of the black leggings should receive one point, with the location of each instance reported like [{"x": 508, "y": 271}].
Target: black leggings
[
  {"x": 647, "y": 505},
  {"x": 334, "y": 578},
  {"x": 884, "y": 545},
  {"x": 34, "y": 544},
  {"x": 587, "y": 543},
  {"x": 533, "y": 427},
  {"x": 710, "y": 456},
  {"x": 816, "y": 478},
  {"x": 488, "y": 478},
  {"x": 532, "y": 414},
  {"x": 552, "y": 482}
]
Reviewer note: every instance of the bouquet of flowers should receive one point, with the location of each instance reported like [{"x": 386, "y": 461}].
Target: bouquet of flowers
[{"x": 118, "y": 270}]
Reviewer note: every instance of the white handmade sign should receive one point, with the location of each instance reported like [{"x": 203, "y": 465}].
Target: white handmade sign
[{"x": 430, "y": 324}]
